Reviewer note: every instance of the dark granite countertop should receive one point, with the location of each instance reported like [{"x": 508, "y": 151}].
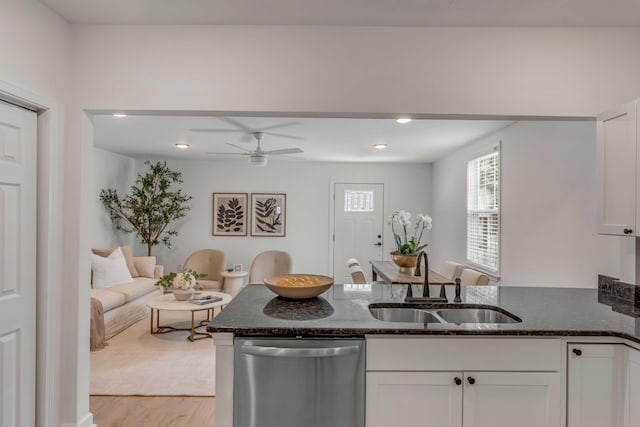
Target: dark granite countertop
[{"x": 343, "y": 311}]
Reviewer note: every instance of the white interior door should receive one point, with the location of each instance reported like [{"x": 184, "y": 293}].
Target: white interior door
[
  {"x": 357, "y": 227},
  {"x": 17, "y": 266}
]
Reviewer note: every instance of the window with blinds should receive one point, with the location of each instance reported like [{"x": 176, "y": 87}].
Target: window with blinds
[
  {"x": 358, "y": 201},
  {"x": 483, "y": 212}
]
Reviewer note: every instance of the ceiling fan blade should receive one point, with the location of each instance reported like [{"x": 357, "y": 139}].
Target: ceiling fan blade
[
  {"x": 214, "y": 130},
  {"x": 236, "y": 124},
  {"x": 281, "y": 125},
  {"x": 239, "y": 148},
  {"x": 281, "y": 135},
  {"x": 285, "y": 151},
  {"x": 228, "y": 154}
]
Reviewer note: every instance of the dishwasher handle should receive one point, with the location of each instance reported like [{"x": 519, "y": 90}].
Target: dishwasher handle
[{"x": 299, "y": 352}]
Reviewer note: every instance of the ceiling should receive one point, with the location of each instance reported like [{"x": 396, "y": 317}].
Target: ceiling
[
  {"x": 353, "y": 12},
  {"x": 321, "y": 139}
]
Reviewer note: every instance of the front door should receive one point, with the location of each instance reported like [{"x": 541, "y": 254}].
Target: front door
[
  {"x": 357, "y": 227},
  {"x": 17, "y": 266}
]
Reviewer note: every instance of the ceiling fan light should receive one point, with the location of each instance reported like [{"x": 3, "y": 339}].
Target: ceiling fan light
[{"x": 258, "y": 160}]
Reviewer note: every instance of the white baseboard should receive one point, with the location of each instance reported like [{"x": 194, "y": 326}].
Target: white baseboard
[{"x": 87, "y": 421}]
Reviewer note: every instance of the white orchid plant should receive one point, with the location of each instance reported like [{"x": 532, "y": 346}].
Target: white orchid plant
[
  {"x": 184, "y": 280},
  {"x": 404, "y": 244}
]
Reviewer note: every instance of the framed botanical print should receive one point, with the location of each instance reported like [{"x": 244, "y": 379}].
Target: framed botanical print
[
  {"x": 230, "y": 214},
  {"x": 268, "y": 214}
]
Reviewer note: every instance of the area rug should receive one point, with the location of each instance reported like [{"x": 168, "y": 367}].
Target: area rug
[{"x": 138, "y": 363}]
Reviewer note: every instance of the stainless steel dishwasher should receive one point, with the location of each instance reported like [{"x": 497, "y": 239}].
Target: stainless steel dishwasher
[{"x": 298, "y": 383}]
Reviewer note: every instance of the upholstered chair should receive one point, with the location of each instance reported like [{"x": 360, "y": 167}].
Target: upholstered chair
[
  {"x": 357, "y": 274},
  {"x": 451, "y": 270},
  {"x": 211, "y": 262},
  {"x": 269, "y": 263},
  {"x": 473, "y": 277}
]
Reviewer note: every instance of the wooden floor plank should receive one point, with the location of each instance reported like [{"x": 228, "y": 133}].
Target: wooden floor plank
[{"x": 152, "y": 411}]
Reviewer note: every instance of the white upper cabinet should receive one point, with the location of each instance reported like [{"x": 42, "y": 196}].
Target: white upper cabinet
[{"x": 617, "y": 166}]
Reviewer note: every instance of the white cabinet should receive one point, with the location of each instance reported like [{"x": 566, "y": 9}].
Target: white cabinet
[
  {"x": 507, "y": 399},
  {"x": 469, "y": 399},
  {"x": 486, "y": 382},
  {"x": 617, "y": 163},
  {"x": 396, "y": 399},
  {"x": 632, "y": 409},
  {"x": 595, "y": 385}
]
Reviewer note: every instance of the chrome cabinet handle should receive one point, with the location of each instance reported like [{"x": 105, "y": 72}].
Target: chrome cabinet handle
[{"x": 299, "y": 352}]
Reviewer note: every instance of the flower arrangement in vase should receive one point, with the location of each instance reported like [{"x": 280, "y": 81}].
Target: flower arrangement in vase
[
  {"x": 408, "y": 246},
  {"x": 181, "y": 283}
]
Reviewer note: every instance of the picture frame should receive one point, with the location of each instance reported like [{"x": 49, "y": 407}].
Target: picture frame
[
  {"x": 230, "y": 214},
  {"x": 268, "y": 214},
  {"x": 237, "y": 268}
]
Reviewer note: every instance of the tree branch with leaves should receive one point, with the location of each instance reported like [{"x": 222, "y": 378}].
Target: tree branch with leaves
[{"x": 151, "y": 207}]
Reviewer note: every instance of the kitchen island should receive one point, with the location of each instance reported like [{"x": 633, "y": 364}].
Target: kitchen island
[{"x": 564, "y": 338}]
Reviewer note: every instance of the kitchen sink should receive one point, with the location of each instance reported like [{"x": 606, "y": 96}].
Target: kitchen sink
[
  {"x": 401, "y": 314},
  {"x": 458, "y": 315},
  {"x": 476, "y": 315}
]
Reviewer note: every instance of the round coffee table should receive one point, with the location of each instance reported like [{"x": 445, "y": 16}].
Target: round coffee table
[{"x": 168, "y": 302}]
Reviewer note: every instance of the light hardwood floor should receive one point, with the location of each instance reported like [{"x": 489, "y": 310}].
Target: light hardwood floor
[{"x": 151, "y": 411}]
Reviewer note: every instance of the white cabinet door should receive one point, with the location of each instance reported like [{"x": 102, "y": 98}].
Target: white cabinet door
[
  {"x": 508, "y": 399},
  {"x": 632, "y": 412},
  {"x": 616, "y": 171},
  {"x": 595, "y": 385},
  {"x": 414, "y": 399}
]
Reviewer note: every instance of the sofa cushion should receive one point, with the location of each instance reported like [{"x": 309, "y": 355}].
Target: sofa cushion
[
  {"x": 108, "y": 298},
  {"x": 128, "y": 256},
  {"x": 109, "y": 271},
  {"x": 134, "y": 290},
  {"x": 145, "y": 265}
]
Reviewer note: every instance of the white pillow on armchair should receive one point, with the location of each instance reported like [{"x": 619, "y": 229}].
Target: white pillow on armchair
[{"x": 111, "y": 270}]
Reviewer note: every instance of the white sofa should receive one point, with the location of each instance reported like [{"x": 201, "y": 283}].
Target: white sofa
[{"x": 126, "y": 303}]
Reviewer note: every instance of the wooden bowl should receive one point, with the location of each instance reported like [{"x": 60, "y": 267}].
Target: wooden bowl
[{"x": 298, "y": 292}]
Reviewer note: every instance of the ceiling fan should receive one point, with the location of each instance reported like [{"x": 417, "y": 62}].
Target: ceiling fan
[
  {"x": 259, "y": 157},
  {"x": 249, "y": 132}
]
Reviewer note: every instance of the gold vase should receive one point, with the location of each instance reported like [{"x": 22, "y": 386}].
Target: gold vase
[{"x": 405, "y": 262}]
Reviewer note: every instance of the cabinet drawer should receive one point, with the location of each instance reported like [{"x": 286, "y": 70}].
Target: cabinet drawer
[{"x": 477, "y": 353}]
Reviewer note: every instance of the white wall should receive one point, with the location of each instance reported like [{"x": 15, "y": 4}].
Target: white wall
[
  {"x": 548, "y": 206},
  {"x": 512, "y": 71},
  {"x": 114, "y": 171},
  {"x": 35, "y": 56},
  {"x": 307, "y": 185}
]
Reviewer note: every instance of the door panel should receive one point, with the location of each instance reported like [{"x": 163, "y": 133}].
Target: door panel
[
  {"x": 357, "y": 228},
  {"x": 507, "y": 399},
  {"x": 17, "y": 266},
  {"x": 411, "y": 399}
]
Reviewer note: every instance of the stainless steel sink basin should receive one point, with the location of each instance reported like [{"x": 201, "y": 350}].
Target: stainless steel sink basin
[
  {"x": 402, "y": 314},
  {"x": 475, "y": 315},
  {"x": 458, "y": 315}
]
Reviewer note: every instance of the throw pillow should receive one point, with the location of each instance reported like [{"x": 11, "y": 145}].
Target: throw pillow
[
  {"x": 109, "y": 271},
  {"x": 128, "y": 256},
  {"x": 145, "y": 265}
]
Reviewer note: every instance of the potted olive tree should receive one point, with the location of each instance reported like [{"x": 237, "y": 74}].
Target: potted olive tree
[{"x": 151, "y": 206}]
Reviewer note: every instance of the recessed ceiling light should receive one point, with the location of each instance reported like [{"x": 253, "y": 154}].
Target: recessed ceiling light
[
  {"x": 403, "y": 120},
  {"x": 379, "y": 146},
  {"x": 182, "y": 146},
  {"x": 119, "y": 115}
]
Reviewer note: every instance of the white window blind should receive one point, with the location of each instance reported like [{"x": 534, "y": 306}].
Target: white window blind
[
  {"x": 483, "y": 212},
  {"x": 358, "y": 201}
]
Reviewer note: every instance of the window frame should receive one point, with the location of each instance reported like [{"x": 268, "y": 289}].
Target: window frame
[{"x": 494, "y": 274}]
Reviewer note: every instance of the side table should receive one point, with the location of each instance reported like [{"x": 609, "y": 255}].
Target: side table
[{"x": 233, "y": 282}]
